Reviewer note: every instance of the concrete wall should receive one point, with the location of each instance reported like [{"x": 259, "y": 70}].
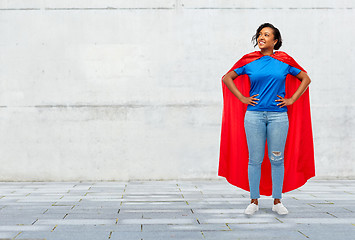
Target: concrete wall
[{"x": 130, "y": 89}]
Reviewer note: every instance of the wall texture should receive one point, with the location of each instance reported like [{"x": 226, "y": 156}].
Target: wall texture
[{"x": 130, "y": 89}]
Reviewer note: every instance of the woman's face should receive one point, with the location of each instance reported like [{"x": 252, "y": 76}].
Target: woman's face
[{"x": 266, "y": 38}]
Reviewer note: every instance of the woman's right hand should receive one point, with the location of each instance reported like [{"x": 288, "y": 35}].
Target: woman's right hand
[{"x": 250, "y": 100}]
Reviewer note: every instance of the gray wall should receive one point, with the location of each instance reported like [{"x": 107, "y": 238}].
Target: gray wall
[{"x": 117, "y": 90}]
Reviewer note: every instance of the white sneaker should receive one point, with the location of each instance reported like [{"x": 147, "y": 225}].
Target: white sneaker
[
  {"x": 280, "y": 209},
  {"x": 251, "y": 209}
]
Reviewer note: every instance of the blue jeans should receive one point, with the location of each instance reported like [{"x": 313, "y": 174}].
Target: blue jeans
[{"x": 259, "y": 126}]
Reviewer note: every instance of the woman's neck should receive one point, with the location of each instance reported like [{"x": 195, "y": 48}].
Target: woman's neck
[{"x": 267, "y": 52}]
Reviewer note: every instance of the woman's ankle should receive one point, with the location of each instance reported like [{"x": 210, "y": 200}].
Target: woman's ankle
[
  {"x": 276, "y": 201},
  {"x": 255, "y": 201}
]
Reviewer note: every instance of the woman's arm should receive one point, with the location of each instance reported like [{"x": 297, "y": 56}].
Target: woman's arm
[
  {"x": 305, "y": 81},
  {"x": 228, "y": 80}
]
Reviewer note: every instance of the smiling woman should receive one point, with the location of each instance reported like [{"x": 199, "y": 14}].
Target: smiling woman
[
  {"x": 267, "y": 36},
  {"x": 259, "y": 94}
]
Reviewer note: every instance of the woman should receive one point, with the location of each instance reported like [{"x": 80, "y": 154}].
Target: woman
[{"x": 265, "y": 112}]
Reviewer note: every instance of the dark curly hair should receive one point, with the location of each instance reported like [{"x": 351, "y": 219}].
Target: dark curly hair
[{"x": 277, "y": 35}]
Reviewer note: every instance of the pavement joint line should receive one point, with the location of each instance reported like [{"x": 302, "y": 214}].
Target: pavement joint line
[
  {"x": 65, "y": 215},
  {"x": 198, "y": 221},
  {"x": 61, "y": 197},
  {"x": 35, "y": 221},
  {"x": 203, "y": 234},
  {"x": 119, "y": 210},
  {"x": 141, "y": 227},
  {"x": 109, "y": 237},
  {"x": 302, "y": 234},
  {"x": 17, "y": 235},
  {"x": 116, "y": 220},
  {"x": 54, "y": 228},
  {"x": 71, "y": 208},
  {"x": 347, "y": 209},
  {"x": 228, "y": 227},
  {"x": 279, "y": 220},
  {"x": 28, "y": 194},
  {"x": 45, "y": 211},
  {"x": 331, "y": 214},
  {"x": 192, "y": 210}
]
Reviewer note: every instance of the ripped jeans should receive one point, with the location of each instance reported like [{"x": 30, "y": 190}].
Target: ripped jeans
[{"x": 259, "y": 126}]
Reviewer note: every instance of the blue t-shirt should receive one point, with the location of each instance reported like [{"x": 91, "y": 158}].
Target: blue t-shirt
[{"x": 267, "y": 78}]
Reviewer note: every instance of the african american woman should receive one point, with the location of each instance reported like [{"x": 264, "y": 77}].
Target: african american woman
[{"x": 266, "y": 116}]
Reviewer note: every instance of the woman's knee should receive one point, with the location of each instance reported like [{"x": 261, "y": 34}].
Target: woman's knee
[
  {"x": 255, "y": 161},
  {"x": 276, "y": 157}
]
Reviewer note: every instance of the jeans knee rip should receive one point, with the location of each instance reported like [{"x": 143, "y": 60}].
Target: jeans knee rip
[{"x": 276, "y": 156}]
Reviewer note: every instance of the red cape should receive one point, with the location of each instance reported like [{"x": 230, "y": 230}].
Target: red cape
[{"x": 299, "y": 152}]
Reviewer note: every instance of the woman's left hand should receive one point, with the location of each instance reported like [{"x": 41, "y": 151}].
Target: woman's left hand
[{"x": 284, "y": 101}]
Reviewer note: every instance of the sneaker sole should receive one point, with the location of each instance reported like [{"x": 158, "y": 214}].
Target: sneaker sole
[
  {"x": 251, "y": 213},
  {"x": 279, "y": 213}
]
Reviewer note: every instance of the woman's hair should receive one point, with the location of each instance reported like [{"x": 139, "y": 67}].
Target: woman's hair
[{"x": 277, "y": 35}]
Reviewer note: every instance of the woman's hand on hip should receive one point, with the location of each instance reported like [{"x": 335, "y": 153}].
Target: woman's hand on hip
[
  {"x": 284, "y": 101},
  {"x": 250, "y": 100}
]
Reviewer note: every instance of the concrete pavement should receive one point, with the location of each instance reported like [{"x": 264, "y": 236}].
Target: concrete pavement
[{"x": 177, "y": 209}]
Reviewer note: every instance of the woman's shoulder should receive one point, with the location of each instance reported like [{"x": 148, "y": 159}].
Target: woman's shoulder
[
  {"x": 249, "y": 57},
  {"x": 281, "y": 54},
  {"x": 284, "y": 57},
  {"x": 252, "y": 54}
]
